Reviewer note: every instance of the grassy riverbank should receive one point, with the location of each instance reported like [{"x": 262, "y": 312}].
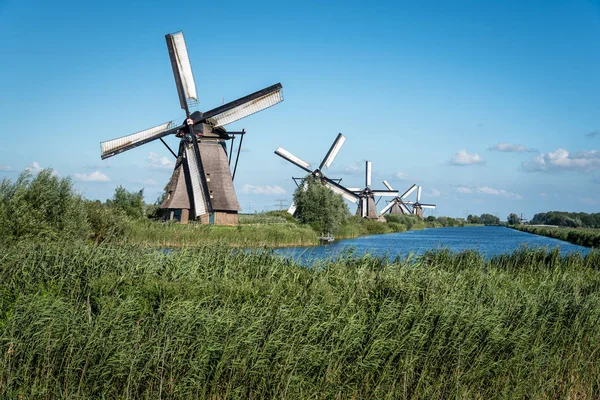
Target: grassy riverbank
[
  {"x": 582, "y": 236},
  {"x": 83, "y": 321},
  {"x": 161, "y": 235}
]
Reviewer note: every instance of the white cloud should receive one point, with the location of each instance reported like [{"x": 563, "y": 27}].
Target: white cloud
[
  {"x": 101, "y": 165},
  {"x": 34, "y": 167},
  {"x": 498, "y": 192},
  {"x": 488, "y": 191},
  {"x": 149, "y": 182},
  {"x": 464, "y": 190},
  {"x": 401, "y": 176},
  {"x": 433, "y": 193},
  {"x": 158, "y": 162},
  {"x": 263, "y": 190},
  {"x": 352, "y": 169},
  {"x": 95, "y": 176},
  {"x": 511, "y": 148},
  {"x": 463, "y": 158},
  {"x": 543, "y": 194},
  {"x": 5, "y": 168},
  {"x": 583, "y": 161}
]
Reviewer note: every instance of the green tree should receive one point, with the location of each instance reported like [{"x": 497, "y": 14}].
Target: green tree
[
  {"x": 489, "y": 219},
  {"x": 513, "y": 219},
  {"x": 44, "y": 206},
  {"x": 131, "y": 203},
  {"x": 319, "y": 207}
]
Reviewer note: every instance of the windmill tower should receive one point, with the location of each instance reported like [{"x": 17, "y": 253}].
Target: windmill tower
[
  {"x": 318, "y": 172},
  {"x": 399, "y": 204},
  {"x": 366, "y": 206},
  {"x": 418, "y": 206},
  {"x": 201, "y": 187}
]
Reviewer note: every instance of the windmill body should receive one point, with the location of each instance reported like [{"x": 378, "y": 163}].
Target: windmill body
[
  {"x": 418, "y": 206},
  {"x": 399, "y": 204},
  {"x": 366, "y": 205},
  {"x": 201, "y": 186},
  {"x": 332, "y": 184}
]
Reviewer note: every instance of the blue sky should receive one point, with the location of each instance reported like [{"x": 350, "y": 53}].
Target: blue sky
[{"x": 490, "y": 106}]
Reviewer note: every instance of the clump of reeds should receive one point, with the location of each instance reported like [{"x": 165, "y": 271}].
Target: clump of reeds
[
  {"x": 588, "y": 237},
  {"x": 80, "y": 321}
]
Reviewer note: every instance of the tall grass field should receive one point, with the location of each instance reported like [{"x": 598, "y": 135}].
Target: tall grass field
[
  {"x": 87, "y": 322},
  {"x": 589, "y": 237}
]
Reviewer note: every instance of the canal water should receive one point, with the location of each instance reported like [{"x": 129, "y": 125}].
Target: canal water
[{"x": 488, "y": 240}]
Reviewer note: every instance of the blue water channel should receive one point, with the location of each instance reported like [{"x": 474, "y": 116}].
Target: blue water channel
[{"x": 488, "y": 240}]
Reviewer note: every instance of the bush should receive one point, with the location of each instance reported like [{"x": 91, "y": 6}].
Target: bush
[
  {"x": 319, "y": 207},
  {"x": 43, "y": 207},
  {"x": 105, "y": 222}
]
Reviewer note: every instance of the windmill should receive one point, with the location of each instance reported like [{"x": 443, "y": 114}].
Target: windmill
[
  {"x": 366, "y": 205},
  {"x": 418, "y": 206},
  {"x": 318, "y": 173},
  {"x": 201, "y": 187},
  {"x": 399, "y": 204}
]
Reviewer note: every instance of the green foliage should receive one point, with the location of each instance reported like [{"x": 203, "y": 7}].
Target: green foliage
[
  {"x": 109, "y": 322},
  {"x": 489, "y": 219},
  {"x": 43, "y": 207},
  {"x": 411, "y": 222},
  {"x": 513, "y": 219},
  {"x": 580, "y": 236},
  {"x": 106, "y": 222},
  {"x": 173, "y": 235},
  {"x": 131, "y": 203},
  {"x": 567, "y": 219},
  {"x": 319, "y": 207},
  {"x": 474, "y": 219}
]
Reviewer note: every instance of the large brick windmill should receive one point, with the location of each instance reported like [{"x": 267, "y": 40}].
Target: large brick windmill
[{"x": 201, "y": 187}]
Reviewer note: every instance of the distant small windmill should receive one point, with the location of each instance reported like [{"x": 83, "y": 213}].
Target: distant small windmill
[
  {"x": 201, "y": 186},
  {"x": 366, "y": 205},
  {"x": 317, "y": 173},
  {"x": 418, "y": 206},
  {"x": 399, "y": 204}
]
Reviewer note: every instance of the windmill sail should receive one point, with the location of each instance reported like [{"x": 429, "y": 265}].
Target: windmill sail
[
  {"x": 245, "y": 106},
  {"x": 286, "y": 155},
  {"x": 113, "y": 147},
  {"x": 182, "y": 69},
  {"x": 198, "y": 196},
  {"x": 333, "y": 151}
]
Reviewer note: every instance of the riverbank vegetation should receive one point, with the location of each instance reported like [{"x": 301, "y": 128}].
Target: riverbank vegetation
[
  {"x": 103, "y": 321},
  {"x": 567, "y": 219},
  {"x": 581, "y": 236},
  {"x": 45, "y": 207}
]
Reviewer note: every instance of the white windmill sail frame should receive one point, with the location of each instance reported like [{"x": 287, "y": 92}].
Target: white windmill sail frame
[
  {"x": 249, "y": 108},
  {"x": 290, "y": 157},
  {"x": 368, "y": 175},
  {"x": 184, "y": 66},
  {"x": 200, "y": 206},
  {"x": 387, "y": 185},
  {"x": 111, "y": 145},
  {"x": 384, "y": 194},
  {"x": 342, "y": 192},
  {"x": 409, "y": 191},
  {"x": 339, "y": 142},
  {"x": 388, "y": 206}
]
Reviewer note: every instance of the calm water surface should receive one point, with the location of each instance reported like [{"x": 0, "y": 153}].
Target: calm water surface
[{"x": 489, "y": 240}]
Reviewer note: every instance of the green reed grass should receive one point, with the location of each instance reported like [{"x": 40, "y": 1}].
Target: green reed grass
[
  {"x": 588, "y": 237},
  {"x": 80, "y": 321},
  {"x": 170, "y": 235}
]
